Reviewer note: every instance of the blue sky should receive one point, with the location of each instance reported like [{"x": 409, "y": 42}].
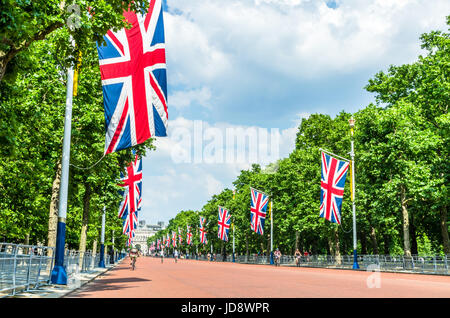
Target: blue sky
[{"x": 266, "y": 64}]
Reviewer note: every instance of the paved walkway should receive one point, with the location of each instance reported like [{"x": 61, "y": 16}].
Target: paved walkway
[{"x": 201, "y": 279}]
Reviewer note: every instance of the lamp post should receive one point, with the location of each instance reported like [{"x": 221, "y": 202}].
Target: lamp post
[
  {"x": 351, "y": 122},
  {"x": 102, "y": 242},
  {"x": 59, "y": 274}
]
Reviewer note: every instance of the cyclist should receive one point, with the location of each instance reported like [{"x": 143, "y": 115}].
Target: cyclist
[
  {"x": 277, "y": 256},
  {"x": 133, "y": 254},
  {"x": 297, "y": 255}
]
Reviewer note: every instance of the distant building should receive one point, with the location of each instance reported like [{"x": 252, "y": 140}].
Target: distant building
[{"x": 143, "y": 232}]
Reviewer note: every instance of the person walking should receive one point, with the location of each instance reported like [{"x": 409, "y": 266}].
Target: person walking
[
  {"x": 175, "y": 255},
  {"x": 161, "y": 253},
  {"x": 277, "y": 256},
  {"x": 297, "y": 255}
]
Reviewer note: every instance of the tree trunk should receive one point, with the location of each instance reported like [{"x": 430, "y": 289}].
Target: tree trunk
[
  {"x": 297, "y": 238},
  {"x": 373, "y": 237},
  {"x": 53, "y": 213},
  {"x": 94, "y": 251},
  {"x": 444, "y": 230},
  {"x": 363, "y": 240},
  {"x": 337, "y": 250},
  {"x": 414, "y": 249},
  {"x": 85, "y": 222},
  {"x": 405, "y": 215},
  {"x": 386, "y": 244},
  {"x": 246, "y": 246}
]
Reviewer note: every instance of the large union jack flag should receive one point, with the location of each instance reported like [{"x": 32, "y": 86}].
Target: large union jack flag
[
  {"x": 332, "y": 183},
  {"x": 258, "y": 209},
  {"x": 133, "y": 73},
  {"x": 202, "y": 229},
  {"x": 131, "y": 203},
  {"x": 224, "y": 223}
]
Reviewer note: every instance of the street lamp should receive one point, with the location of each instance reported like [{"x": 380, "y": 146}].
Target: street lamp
[{"x": 351, "y": 122}]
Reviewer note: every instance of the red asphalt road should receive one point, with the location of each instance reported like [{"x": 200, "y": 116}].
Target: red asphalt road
[{"x": 201, "y": 279}]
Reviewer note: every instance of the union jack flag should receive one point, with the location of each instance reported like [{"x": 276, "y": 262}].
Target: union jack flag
[
  {"x": 332, "y": 183},
  {"x": 188, "y": 235},
  {"x": 224, "y": 223},
  {"x": 202, "y": 230},
  {"x": 258, "y": 209},
  {"x": 158, "y": 243},
  {"x": 168, "y": 240},
  {"x": 131, "y": 181},
  {"x": 174, "y": 239},
  {"x": 180, "y": 238},
  {"x": 133, "y": 72},
  {"x": 131, "y": 204}
]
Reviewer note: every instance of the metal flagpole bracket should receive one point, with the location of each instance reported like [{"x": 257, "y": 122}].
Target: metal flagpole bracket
[{"x": 330, "y": 153}]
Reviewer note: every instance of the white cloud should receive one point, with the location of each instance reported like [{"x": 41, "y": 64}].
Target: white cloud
[
  {"x": 184, "y": 98},
  {"x": 308, "y": 39},
  {"x": 191, "y": 57},
  {"x": 171, "y": 186}
]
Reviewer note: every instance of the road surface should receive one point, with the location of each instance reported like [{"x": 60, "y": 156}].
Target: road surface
[{"x": 202, "y": 279}]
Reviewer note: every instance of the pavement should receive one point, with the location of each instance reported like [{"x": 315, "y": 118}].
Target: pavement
[{"x": 74, "y": 282}]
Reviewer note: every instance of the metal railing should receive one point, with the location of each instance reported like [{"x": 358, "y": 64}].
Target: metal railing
[
  {"x": 394, "y": 263},
  {"x": 26, "y": 267}
]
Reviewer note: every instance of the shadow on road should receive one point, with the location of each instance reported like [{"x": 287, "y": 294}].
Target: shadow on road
[{"x": 105, "y": 285}]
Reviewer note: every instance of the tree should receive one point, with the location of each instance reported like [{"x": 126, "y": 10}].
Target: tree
[{"x": 25, "y": 22}]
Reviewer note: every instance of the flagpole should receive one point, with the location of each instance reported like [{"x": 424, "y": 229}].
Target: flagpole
[
  {"x": 234, "y": 250},
  {"x": 59, "y": 274},
  {"x": 271, "y": 233},
  {"x": 352, "y": 154},
  {"x": 102, "y": 242},
  {"x": 234, "y": 259}
]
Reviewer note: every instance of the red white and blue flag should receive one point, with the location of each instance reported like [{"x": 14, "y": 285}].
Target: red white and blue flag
[
  {"x": 133, "y": 73},
  {"x": 132, "y": 197},
  {"x": 332, "y": 183},
  {"x": 132, "y": 188},
  {"x": 180, "y": 237},
  {"x": 259, "y": 202},
  {"x": 168, "y": 240},
  {"x": 188, "y": 235},
  {"x": 174, "y": 239},
  {"x": 224, "y": 223},
  {"x": 202, "y": 229}
]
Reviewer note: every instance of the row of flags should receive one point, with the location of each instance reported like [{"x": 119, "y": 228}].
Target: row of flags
[
  {"x": 333, "y": 176},
  {"x": 134, "y": 82},
  {"x": 131, "y": 198}
]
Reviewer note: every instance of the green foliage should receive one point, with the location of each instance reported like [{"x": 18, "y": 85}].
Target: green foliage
[
  {"x": 35, "y": 102},
  {"x": 401, "y": 147}
]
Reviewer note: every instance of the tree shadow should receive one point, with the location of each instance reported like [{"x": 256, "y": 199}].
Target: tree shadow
[{"x": 105, "y": 284}]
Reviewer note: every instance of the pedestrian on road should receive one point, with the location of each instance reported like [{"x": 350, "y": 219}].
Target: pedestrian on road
[
  {"x": 175, "y": 255},
  {"x": 161, "y": 253}
]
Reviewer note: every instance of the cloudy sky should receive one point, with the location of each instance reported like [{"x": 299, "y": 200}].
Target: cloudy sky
[{"x": 260, "y": 66}]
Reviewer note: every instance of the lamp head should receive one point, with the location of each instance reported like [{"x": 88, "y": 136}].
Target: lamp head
[{"x": 351, "y": 122}]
